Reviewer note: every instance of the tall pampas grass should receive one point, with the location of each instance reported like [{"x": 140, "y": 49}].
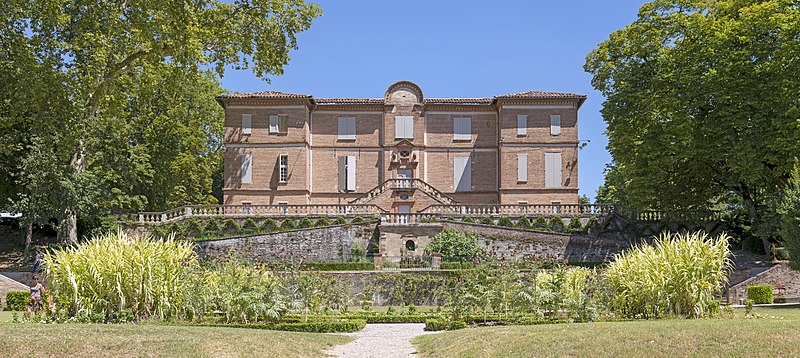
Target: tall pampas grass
[
  {"x": 679, "y": 275},
  {"x": 115, "y": 272}
]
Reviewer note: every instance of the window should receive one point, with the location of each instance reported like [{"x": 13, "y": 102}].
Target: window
[
  {"x": 523, "y": 207},
  {"x": 555, "y": 124},
  {"x": 247, "y": 123},
  {"x": 347, "y": 173},
  {"x": 552, "y": 170},
  {"x": 247, "y": 208},
  {"x": 556, "y": 207},
  {"x": 410, "y": 245},
  {"x": 278, "y": 124},
  {"x": 404, "y": 127},
  {"x": 462, "y": 128},
  {"x": 522, "y": 168},
  {"x": 247, "y": 169},
  {"x": 347, "y": 128},
  {"x": 522, "y": 125},
  {"x": 462, "y": 174},
  {"x": 283, "y": 168}
]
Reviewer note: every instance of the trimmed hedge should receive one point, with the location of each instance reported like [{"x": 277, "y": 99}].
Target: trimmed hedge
[
  {"x": 441, "y": 325},
  {"x": 342, "y": 266},
  {"x": 455, "y": 265},
  {"x": 344, "y": 326},
  {"x": 760, "y": 294},
  {"x": 17, "y": 300},
  {"x": 435, "y": 325}
]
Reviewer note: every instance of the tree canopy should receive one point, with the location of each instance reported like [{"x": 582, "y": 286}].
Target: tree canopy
[
  {"x": 109, "y": 104},
  {"x": 701, "y": 104}
]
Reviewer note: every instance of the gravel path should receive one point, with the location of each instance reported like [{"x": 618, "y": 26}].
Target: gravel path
[{"x": 382, "y": 340}]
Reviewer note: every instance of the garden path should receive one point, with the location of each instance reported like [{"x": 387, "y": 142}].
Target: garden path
[{"x": 382, "y": 340}]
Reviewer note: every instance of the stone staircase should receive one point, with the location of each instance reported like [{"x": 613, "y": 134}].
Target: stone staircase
[{"x": 405, "y": 184}]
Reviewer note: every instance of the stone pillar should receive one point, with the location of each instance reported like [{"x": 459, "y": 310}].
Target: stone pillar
[
  {"x": 377, "y": 259},
  {"x": 437, "y": 262}
]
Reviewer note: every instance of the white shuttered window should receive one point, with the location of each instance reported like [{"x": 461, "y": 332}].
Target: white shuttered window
[
  {"x": 247, "y": 169},
  {"x": 522, "y": 167},
  {"x": 462, "y": 128},
  {"x": 247, "y": 123},
  {"x": 404, "y": 127},
  {"x": 274, "y": 122},
  {"x": 552, "y": 170},
  {"x": 347, "y": 173},
  {"x": 555, "y": 124},
  {"x": 347, "y": 128},
  {"x": 522, "y": 125},
  {"x": 462, "y": 174},
  {"x": 283, "y": 168}
]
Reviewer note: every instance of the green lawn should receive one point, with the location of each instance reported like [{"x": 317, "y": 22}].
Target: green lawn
[
  {"x": 148, "y": 340},
  {"x": 730, "y": 337}
]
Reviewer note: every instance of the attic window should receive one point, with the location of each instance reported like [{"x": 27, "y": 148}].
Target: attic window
[{"x": 405, "y": 154}]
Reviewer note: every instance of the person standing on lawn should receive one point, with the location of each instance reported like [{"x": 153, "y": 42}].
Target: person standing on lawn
[{"x": 35, "y": 303}]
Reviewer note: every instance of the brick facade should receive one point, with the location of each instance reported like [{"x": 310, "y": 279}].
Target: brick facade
[{"x": 443, "y": 132}]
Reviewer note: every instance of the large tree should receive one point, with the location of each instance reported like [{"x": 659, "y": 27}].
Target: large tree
[
  {"x": 94, "y": 52},
  {"x": 702, "y": 103}
]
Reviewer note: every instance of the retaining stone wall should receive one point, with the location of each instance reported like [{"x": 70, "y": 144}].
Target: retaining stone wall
[
  {"x": 784, "y": 280},
  {"x": 325, "y": 244}
]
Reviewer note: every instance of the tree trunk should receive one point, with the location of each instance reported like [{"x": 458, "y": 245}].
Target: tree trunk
[
  {"x": 69, "y": 223},
  {"x": 752, "y": 214},
  {"x": 28, "y": 239}
]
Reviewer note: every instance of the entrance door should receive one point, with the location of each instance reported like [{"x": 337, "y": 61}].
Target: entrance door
[{"x": 404, "y": 214}]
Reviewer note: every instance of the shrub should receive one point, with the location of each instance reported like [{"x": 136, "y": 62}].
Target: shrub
[
  {"x": 238, "y": 289},
  {"x": 540, "y": 222},
  {"x": 287, "y": 224},
  {"x": 589, "y": 224},
  {"x": 269, "y": 225},
  {"x": 115, "y": 271},
  {"x": 574, "y": 225},
  {"x": 212, "y": 227},
  {"x": 323, "y": 221},
  {"x": 678, "y": 275},
  {"x": 357, "y": 220},
  {"x": 505, "y": 221},
  {"x": 434, "y": 324},
  {"x": 468, "y": 219},
  {"x": 249, "y": 226},
  {"x": 523, "y": 223},
  {"x": 230, "y": 226},
  {"x": 556, "y": 223},
  {"x": 305, "y": 223},
  {"x": 488, "y": 220},
  {"x": 341, "y": 326},
  {"x": 193, "y": 227},
  {"x": 452, "y": 243},
  {"x": 454, "y": 325},
  {"x": 342, "y": 266},
  {"x": 780, "y": 253},
  {"x": 17, "y": 300},
  {"x": 340, "y": 220},
  {"x": 760, "y": 294}
]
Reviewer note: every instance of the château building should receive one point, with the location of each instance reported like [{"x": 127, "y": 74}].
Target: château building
[{"x": 403, "y": 152}]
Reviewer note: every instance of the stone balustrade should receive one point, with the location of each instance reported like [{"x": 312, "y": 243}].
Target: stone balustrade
[
  {"x": 520, "y": 210},
  {"x": 258, "y": 210}
]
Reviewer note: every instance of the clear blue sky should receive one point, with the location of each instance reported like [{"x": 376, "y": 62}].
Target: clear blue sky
[{"x": 456, "y": 49}]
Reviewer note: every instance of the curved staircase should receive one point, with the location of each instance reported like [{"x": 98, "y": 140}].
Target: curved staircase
[{"x": 405, "y": 184}]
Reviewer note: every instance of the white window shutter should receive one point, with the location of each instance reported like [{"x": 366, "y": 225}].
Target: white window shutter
[
  {"x": 552, "y": 170},
  {"x": 351, "y": 173},
  {"x": 342, "y": 173},
  {"x": 247, "y": 169},
  {"x": 409, "y": 131},
  {"x": 399, "y": 127},
  {"x": 462, "y": 128},
  {"x": 342, "y": 127},
  {"x": 274, "y": 121},
  {"x": 522, "y": 125},
  {"x": 247, "y": 123},
  {"x": 555, "y": 124},
  {"x": 522, "y": 167},
  {"x": 351, "y": 127},
  {"x": 462, "y": 174}
]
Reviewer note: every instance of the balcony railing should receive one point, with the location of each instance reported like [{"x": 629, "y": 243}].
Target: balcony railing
[
  {"x": 520, "y": 209},
  {"x": 407, "y": 219},
  {"x": 258, "y": 210}
]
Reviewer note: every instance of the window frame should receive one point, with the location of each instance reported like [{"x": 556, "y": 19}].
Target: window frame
[{"x": 283, "y": 168}]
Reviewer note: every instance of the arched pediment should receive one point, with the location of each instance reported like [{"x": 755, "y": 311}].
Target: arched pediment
[{"x": 403, "y": 93}]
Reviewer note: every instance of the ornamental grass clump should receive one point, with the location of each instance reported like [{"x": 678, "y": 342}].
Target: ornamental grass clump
[
  {"x": 115, "y": 272},
  {"x": 677, "y": 276}
]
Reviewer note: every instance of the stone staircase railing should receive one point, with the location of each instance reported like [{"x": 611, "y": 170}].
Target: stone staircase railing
[
  {"x": 203, "y": 211},
  {"x": 405, "y": 184}
]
